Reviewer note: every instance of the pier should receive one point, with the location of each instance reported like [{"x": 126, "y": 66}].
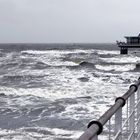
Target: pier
[
  {"x": 131, "y": 42},
  {"x": 121, "y": 121}
]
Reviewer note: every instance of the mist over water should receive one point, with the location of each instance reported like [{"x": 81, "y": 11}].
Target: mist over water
[{"x": 53, "y": 91}]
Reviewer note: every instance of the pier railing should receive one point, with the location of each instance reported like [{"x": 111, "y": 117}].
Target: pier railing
[{"x": 121, "y": 121}]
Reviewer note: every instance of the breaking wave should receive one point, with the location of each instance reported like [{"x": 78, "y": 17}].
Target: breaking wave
[
  {"x": 53, "y": 94},
  {"x": 121, "y": 68}
]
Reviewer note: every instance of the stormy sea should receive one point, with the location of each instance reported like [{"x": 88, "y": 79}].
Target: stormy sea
[{"x": 52, "y": 91}]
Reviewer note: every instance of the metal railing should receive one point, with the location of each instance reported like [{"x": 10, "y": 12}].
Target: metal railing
[{"x": 121, "y": 121}]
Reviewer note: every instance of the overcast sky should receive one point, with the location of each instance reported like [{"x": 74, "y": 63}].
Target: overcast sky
[{"x": 65, "y": 21}]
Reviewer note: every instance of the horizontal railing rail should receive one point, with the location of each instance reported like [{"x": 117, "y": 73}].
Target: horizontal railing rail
[{"x": 95, "y": 128}]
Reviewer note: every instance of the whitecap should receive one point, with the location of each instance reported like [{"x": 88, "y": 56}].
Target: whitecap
[
  {"x": 122, "y": 59},
  {"x": 105, "y": 52},
  {"x": 116, "y": 67}
]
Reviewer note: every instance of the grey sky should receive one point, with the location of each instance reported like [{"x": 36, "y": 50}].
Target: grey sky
[{"x": 52, "y": 21}]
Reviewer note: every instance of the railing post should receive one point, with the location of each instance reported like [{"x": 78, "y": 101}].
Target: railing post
[
  {"x": 138, "y": 113},
  {"x": 109, "y": 127},
  {"x": 132, "y": 117},
  {"x": 127, "y": 115},
  {"x": 118, "y": 123}
]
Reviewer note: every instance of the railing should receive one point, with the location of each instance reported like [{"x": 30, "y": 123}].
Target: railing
[{"x": 121, "y": 121}]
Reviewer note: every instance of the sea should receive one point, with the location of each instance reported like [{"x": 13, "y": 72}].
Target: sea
[{"x": 52, "y": 91}]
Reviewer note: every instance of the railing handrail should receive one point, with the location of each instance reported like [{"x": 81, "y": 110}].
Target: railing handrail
[{"x": 96, "y": 127}]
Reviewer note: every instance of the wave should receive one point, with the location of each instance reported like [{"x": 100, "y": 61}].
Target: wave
[
  {"x": 125, "y": 67},
  {"x": 73, "y": 51},
  {"x": 86, "y": 64},
  {"x": 108, "y": 66},
  {"x": 20, "y": 78},
  {"x": 9, "y": 65},
  {"x": 40, "y": 65},
  {"x": 60, "y": 57},
  {"x": 36, "y": 52},
  {"x": 105, "y": 52},
  {"x": 45, "y": 133},
  {"x": 122, "y": 59},
  {"x": 82, "y": 64},
  {"x": 83, "y": 79}
]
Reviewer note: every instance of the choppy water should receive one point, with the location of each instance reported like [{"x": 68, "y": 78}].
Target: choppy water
[{"x": 52, "y": 92}]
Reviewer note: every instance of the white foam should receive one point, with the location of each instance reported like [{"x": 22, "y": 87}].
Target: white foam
[
  {"x": 76, "y": 111},
  {"x": 123, "y": 59},
  {"x": 22, "y": 134},
  {"x": 51, "y": 57},
  {"x": 64, "y": 83},
  {"x": 57, "y": 52},
  {"x": 75, "y": 51},
  {"x": 116, "y": 67},
  {"x": 74, "y": 134}
]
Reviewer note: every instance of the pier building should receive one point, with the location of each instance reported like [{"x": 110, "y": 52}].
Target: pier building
[{"x": 131, "y": 42}]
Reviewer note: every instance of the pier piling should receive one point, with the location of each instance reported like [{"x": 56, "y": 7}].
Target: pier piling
[{"x": 123, "y": 50}]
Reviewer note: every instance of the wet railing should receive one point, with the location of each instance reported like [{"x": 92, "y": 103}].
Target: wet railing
[{"x": 121, "y": 121}]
